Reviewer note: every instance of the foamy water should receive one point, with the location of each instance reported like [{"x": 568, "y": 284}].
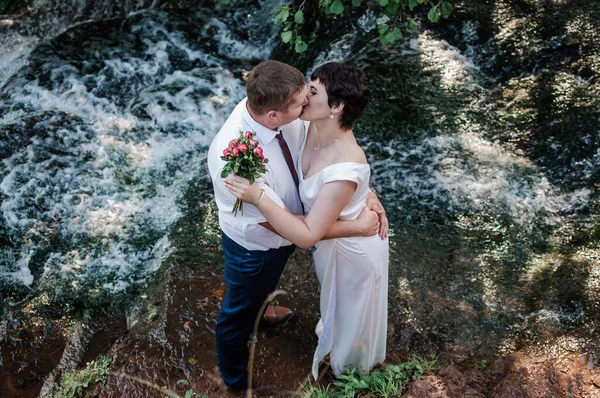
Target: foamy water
[
  {"x": 90, "y": 193},
  {"x": 14, "y": 49},
  {"x": 103, "y": 178}
]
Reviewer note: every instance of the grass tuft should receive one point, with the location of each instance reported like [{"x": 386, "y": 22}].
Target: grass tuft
[
  {"x": 74, "y": 384},
  {"x": 387, "y": 382}
]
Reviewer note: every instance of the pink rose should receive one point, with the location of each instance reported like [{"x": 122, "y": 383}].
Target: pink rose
[
  {"x": 251, "y": 141},
  {"x": 249, "y": 134},
  {"x": 233, "y": 142},
  {"x": 226, "y": 152},
  {"x": 242, "y": 147},
  {"x": 258, "y": 151},
  {"x": 235, "y": 151}
]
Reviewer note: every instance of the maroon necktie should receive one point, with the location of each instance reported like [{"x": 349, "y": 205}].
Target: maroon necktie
[{"x": 288, "y": 157}]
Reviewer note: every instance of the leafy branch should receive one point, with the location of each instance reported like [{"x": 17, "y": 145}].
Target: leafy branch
[{"x": 398, "y": 13}]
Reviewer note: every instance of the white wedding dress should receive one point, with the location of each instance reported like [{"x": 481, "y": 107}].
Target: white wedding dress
[{"x": 353, "y": 273}]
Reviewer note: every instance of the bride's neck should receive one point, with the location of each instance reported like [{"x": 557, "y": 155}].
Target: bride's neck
[{"x": 329, "y": 129}]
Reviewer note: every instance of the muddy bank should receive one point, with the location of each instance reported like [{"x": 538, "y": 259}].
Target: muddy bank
[
  {"x": 168, "y": 336},
  {"x": 523, "y": 374}
]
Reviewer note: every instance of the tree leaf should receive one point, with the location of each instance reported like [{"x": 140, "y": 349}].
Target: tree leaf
[
  {"x": 356, "y": 3},
  {"x": 383, "y": 3},
  {"x": 397, "y": 33},
  {"x": 286, "y": 37},
  {"x": 337, "y": 7},
  {"x": 183, "y": 382},
  {"x": 299, "y": 17},
  {"x": 382, "y": 28},
  {"x": 382, "y": 38},
  {"x": 446, "y": 8},
  {"x": 412, "y": 4},
  {"x": 433, "y": 14},
  {"x": 391, "y": 9},
  {"x": 390, "y": 37},
  {"x": 301, "y": 46},
  {"x": 411, "y": 26},
  {"x": 282, "y": 15}
]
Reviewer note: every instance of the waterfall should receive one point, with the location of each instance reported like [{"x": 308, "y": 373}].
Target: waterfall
[{"x": 101, "y": 136}]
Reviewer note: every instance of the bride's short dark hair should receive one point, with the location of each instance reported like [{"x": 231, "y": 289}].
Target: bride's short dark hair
[{"x": 345, "y": 84}]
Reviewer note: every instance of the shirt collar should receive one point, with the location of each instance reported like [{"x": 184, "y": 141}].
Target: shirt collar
[{"x": 264, "y": 134}]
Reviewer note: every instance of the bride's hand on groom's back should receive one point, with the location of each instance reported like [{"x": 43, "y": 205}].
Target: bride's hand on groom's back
[
  {"x": 375, "y": 205},
  {"x": 369, "y": 221}
]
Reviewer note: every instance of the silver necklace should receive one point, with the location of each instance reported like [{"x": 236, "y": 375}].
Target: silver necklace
[{"x": 331, "y": 143}]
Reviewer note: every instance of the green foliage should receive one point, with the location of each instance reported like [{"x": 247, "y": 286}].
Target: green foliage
[
  {"x": 74, "y": 384},
  {"x": 4, "y": 5},
  {"x": 396, "y": 11},
  {"x": 188, "y": 394},
  {"x": 7, "y": 6},
  {"x": 388, "y": 382},
  {"x": 480, "y": 365}
]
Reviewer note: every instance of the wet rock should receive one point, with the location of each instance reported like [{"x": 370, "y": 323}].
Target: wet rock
[{"x": 70, "y": 359}]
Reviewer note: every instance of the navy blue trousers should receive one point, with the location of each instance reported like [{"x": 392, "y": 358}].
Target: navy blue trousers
[{"x": 251, "y": 275}]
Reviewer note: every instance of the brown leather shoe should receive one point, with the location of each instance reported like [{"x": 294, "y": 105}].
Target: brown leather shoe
[{"x": 275, "y": 314}]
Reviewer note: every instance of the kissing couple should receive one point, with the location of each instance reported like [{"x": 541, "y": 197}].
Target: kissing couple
[{"x": 315, "y": 193}]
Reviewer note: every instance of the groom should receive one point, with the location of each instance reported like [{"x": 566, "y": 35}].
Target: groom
[{"x": 255, "y": 254}]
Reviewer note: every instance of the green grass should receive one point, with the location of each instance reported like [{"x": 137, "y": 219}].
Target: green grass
[
  {"x": 74, "y": 384},
  {"x": 387, "y": 382}
]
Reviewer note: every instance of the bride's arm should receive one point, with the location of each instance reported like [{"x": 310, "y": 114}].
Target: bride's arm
[
  {"x": 332, "y": 199},
  {"x": 366, "y": 224}
]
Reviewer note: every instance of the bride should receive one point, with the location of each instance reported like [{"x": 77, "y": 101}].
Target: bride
[{"x": 334, "y": 182}]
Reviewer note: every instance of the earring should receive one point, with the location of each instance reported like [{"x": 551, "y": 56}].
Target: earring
[{"x": 332, "y": 116}]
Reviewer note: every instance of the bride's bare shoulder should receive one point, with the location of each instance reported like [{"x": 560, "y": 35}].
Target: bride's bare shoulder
[{"x": 356, "y": 154}]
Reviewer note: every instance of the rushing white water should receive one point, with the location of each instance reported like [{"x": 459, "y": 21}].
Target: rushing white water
[
  {"x": 103, "y": 141},
  {"x": 14, "y": 49},
  {"x": 457, "y": 172},
  {"x": 94, "y": 190}
]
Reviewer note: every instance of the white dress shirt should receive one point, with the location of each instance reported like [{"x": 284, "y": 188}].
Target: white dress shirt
[{"x": 277, "y": 182}]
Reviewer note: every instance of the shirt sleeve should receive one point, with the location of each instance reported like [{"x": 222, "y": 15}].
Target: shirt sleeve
[{"x": 226, "y": 200}]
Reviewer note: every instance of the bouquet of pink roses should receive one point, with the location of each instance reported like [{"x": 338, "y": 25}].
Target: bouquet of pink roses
[{"x": 244, "y": 158}]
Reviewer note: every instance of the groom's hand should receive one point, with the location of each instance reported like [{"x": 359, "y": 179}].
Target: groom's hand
[
  {"x": 375, "y": 205},
  {"x": 369, "y": 221}
]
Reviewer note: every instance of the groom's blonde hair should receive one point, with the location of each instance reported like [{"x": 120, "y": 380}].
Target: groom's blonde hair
[{"x": 271, "y": 86}]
